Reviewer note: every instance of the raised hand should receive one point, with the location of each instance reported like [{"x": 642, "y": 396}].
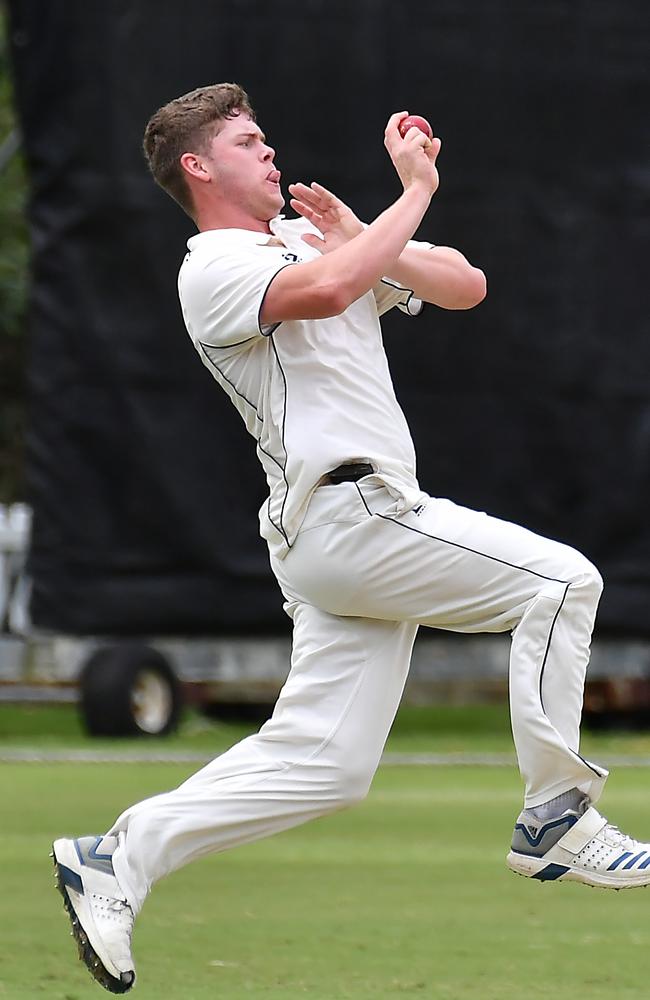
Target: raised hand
[
  {"x": 329, "y": 214},
  {"x": 414, "y": 156}
]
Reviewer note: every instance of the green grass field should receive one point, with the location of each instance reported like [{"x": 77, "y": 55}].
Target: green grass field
[
  {"x": 406, "y": 895},
  {"x": 430, "y": 729}
]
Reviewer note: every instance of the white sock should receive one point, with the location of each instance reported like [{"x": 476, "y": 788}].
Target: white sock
[{"x": 558, "y": 805}]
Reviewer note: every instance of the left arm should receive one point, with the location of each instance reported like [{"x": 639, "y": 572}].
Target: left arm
[{"x": 440, "y": 275}]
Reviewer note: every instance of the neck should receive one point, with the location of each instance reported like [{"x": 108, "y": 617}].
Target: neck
[{"x": 228, "y": 217}]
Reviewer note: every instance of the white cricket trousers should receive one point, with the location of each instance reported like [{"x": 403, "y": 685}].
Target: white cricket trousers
[{"x": 358, "y": 581}]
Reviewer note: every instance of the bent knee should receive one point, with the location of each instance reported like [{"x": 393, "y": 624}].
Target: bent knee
[
  {"x": 583, "y": 574},
  {"x": 352, "y": 781},
  {"x": 596, "y": 581}
]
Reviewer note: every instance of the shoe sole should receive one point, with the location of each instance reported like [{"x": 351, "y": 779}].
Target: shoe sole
[
  {"x": 87, "y": 953},
  {"x": 545, "y": 871}
]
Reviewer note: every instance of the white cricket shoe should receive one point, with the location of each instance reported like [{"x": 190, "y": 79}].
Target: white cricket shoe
[
  {"x": 102, "y": 920},
  {"x": 578, "y": 846}
]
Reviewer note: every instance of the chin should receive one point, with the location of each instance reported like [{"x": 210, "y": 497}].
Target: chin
[{"x": 270, "y": 208}]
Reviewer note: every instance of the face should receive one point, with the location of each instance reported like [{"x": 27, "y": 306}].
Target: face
[{"x": 241, "y": 165}]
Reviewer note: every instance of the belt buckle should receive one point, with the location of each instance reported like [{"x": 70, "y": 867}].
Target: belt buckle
[{"x": 349, "y": 473}]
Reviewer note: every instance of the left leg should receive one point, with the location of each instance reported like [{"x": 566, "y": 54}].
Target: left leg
[
  {"x": 457, "y": 569},
  {"x": 460, "y": 570}
]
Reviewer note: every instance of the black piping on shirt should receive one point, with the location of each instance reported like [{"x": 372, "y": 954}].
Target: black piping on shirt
[
  {"x": 225, "y": 378},
  {"x": 284, "y": 421},
  {"x": 274, "y": 327},
  {"x": 204, "y": 348},
  {"x": 401, "y": 288}
]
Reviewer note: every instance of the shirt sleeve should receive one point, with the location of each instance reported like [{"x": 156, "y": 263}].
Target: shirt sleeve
[
  {"x": 222, "y": 295},
  {"x": 390, "y": 293}
]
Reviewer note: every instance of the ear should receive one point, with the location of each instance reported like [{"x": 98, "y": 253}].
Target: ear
[{"x": 194, "y": 166}]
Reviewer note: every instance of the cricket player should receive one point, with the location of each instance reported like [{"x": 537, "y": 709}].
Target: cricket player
[{"x": 284, "y": 313}]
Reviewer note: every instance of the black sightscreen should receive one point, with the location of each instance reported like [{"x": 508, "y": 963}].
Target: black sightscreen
[{"x": 535, "y": 406}]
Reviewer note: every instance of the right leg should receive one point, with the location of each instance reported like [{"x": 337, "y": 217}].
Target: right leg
[{"x": 317, "y": 753}]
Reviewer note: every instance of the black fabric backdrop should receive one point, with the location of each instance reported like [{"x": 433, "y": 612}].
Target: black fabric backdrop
[{"x": 535, "y": 406}]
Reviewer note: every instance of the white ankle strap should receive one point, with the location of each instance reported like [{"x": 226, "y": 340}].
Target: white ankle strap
[{"x": 587, "y": 827}]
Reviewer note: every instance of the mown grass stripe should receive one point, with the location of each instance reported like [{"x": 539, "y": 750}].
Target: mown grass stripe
[{"x": 27, "y": 755}]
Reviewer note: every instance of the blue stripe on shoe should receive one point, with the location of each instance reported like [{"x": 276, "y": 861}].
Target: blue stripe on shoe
[
  {"x": 644, "y": 864},
  {"x": 622, "y": 857},
  {"x": 543, "y": 830},
  {"x": 93, "y": 853},
  {"x": 71, "y": 879},
  {"x": 631, "y": 863},
  {"x": 551, "y": 872}
]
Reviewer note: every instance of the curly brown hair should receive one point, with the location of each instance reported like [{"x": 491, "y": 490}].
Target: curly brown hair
[{"x": 188, "y": 124}]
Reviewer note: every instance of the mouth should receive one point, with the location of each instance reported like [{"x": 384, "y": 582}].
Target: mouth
[{"x": 274, "y": 177}]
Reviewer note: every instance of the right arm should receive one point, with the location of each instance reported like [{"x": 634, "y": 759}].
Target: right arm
[{"x": 328, "y": 285}]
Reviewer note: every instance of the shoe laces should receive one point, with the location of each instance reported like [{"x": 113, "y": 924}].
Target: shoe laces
[
  {"x": 124, "y": 911},
  {"x": 616, "y": 837},
  {"x": 118, "y": 906}
]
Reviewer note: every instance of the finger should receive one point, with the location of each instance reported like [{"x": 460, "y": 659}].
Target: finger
[
  {"x": 391, "y": 133},
  {"x": 326, "y": 204},
  {"x": 305, "y": 195},
  {"x": 305, "y": 210},
  {"x": 395, "y": 119},
  {"x": 416, "y": 137},
  {"x": 434, "y": 148},
  {"x": 324, "y": 194},
  {"x": 315, "y": 242},
  {"x": 314, "y": 189},
  {"x": 301, "y": 189}
]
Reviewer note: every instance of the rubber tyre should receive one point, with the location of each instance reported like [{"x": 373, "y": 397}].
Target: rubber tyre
[
  {"x": 129, "y": 690},
  {"x": 255, "y": 712}
]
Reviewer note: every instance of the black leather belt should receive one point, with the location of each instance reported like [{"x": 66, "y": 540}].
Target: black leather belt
[{"x": 349, "y": 473}]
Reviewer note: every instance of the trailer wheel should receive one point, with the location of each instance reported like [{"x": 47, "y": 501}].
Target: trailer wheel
[{"x": 129, "y": 690}]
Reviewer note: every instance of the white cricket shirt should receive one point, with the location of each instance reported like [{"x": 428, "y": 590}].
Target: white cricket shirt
[{"x": 313, "y": 393}]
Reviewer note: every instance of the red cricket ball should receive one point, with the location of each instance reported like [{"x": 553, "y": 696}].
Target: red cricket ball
[{"x": 415, "y": 121}]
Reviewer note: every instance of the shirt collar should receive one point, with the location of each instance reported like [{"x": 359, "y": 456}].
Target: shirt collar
[{"x": 235, "y": 237}]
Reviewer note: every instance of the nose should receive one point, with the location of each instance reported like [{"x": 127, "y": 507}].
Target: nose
[{"x": 269, "y": 153}]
